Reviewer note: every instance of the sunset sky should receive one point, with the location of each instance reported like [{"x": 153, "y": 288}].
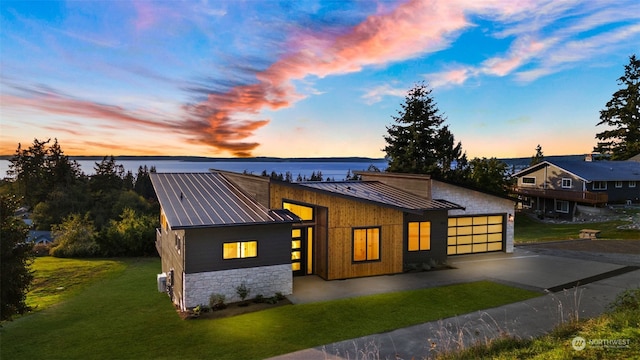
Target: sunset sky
[{"x": 307, "y": 78}]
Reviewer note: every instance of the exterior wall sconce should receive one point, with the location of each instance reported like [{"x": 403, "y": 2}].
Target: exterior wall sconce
[{"x": 510, "y": 217}]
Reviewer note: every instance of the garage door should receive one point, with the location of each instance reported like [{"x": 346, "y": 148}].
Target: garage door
[{"x": 475, "y": 234}]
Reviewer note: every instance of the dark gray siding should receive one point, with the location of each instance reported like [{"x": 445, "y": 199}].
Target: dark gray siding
[
  {"x": 439, "y": 228},
  {"x": 203, "y": 247}
]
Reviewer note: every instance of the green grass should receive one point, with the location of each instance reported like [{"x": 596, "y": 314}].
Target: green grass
[
  {"x": 531, "y": 230},
  {"x": 122, "y": 316},
  {"x": 58, "y": 279},
  {"x": 621, "y": 323}
]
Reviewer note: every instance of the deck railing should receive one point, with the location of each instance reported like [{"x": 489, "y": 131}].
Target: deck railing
[{"x": 578, "y": 196}]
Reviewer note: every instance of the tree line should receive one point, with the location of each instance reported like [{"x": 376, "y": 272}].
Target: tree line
[{"x": 110, "y": 213}]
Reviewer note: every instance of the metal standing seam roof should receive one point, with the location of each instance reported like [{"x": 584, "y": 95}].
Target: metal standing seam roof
[
  {"x": 600, "y": 170},
  {"x": 383, "y": 194},
  {"x": 192, "y": 200}
]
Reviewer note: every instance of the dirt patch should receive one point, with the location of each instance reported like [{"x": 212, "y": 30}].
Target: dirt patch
[
  {"x": 239, "y": 308},
  {"x": 597, "y": 246}
]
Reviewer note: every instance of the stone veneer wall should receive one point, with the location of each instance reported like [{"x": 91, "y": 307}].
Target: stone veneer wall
[
  {"x": 476, "y": 203},
  {"x": 264, "y": 280}
]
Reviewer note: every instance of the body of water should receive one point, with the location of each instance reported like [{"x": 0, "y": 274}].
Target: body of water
[{"x": 336, "y": 170}]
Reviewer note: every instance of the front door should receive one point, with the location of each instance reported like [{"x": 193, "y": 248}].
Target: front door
[{"x": 302, "y": 250}]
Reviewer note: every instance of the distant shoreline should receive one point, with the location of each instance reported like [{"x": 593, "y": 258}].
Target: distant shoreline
[{"x": 219, "y": 159}]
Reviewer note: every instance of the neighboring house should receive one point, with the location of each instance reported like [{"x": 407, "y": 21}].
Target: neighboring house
[
  {"x": 556, "y": 188},
  {"x": 40, "y": 237},
  {"x": 384, "y": 224},
  {"x": 213, "y": 238}
]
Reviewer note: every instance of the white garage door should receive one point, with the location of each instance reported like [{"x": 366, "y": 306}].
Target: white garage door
[{"x": 475, "y": 234}]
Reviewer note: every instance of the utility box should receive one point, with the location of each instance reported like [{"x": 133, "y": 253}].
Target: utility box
[{"x": 162, "y": 282}]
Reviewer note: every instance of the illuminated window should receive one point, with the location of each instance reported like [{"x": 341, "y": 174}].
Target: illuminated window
[
  {"x": 419, "y": 236},
  {"x": 366, "y": 244},
  {"x": 240, "y": 250},
  {"x": 304, "y": 212}
]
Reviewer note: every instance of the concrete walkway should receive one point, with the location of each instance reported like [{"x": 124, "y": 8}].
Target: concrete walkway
[{"x": 524, "y": 268}]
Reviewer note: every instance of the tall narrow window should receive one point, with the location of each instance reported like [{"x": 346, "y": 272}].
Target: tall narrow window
[
  {"x": 366, "y": 244},
  {"x": 419, "y": 235},
  {"x": 240, "y": 250}
]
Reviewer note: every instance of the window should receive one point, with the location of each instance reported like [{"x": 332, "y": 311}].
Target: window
[
  {"x": 304, "y": 212},
  {"x": 366, "y": 244},
  {"x": 240, "y": 250},
  {"x": 566, "y": 183},
  {"x": 419, "y": 235},
  {"x": 618, "y": 184},
  {"x": 529, "y": 180},
  {"x": 632, "y": 184},
  {"x": 178, "y": 243},
  {"x": 599, "y": 185},
  {"x": 562, "y": 206}
]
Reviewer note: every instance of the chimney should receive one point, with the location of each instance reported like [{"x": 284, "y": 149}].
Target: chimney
[{"x": 588, "y": 157}]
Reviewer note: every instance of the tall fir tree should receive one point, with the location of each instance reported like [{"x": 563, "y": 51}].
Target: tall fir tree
[
  {"x": 622, "y": 116},
  {"x": 419, "y": 142},
  {"x": 15, "y": 260}
]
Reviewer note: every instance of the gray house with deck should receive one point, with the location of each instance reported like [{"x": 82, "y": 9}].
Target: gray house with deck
[{"x": 555, "y": 188}]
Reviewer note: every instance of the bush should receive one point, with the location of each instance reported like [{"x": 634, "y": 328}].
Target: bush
[
  {"x": 243, "y": 291},
  {"x": 628, "y": 300},
  {"x": 41, "y": 249},
  {"x": 259, "y": 299},
  {"x": 217, "y": 301},
  {"x": 75, "y": 237}
]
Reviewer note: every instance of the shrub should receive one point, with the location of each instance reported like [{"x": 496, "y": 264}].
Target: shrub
[
  {"x": 259, "y": 299},
  {"x": 41, "y": 249},
  {"x": 626, "y": 300},
  {"x": 243, "y": 291},
  {"x": 216, "y": 301},
  {"x": 279, "y": 296}
]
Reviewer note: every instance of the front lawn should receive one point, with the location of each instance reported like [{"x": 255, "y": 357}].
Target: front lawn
[
  {"x": 122, "y": 316},
  {"x": 528, "y": 229}
]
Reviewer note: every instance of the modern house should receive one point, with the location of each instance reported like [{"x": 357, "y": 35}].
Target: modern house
[
  {"x": 213, "y": 238},
  {"x": 220, "y": 229},
  {"x": 556, "y": 188}
]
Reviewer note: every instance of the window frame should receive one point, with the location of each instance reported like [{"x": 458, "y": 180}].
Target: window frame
[
  {"x": 353, "y": 244},
  {"x": 562, "y": 203},
  {"x": 569, "y": 180},
  {"x": 632, "y": 183},
  {"x": 529, "y": 178},
  {"x": 295, "y": 203},
  {"x": 420, "y": 239},
  {"x": 240, "y": 250},
  {"x": 601, "y": 185},
  {"x": 618, "y": 184}
]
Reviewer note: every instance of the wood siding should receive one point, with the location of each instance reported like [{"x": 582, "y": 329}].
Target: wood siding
[
  {"x": 416, "y": 184},
  {"x": 204, "y": 247},
  {"x": 344, "y": 215},
  {"x": 255, "y": 186},
  {"x": 172, "y": 259}
]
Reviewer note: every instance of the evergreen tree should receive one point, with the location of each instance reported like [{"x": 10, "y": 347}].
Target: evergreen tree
[
  {"x": 538, "y": 157},
  {"x": 622, "y": 116},
  {"x": 489, "y": 175},
  {"x": 15, "y": 260},
  {"x": 419, "y": 142}
]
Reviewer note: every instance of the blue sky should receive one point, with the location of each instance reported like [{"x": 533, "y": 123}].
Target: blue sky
[{"x": 307, "y": 78}]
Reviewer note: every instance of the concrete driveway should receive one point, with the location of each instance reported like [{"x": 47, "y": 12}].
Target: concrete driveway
[{"x": 599, "y": 283}]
